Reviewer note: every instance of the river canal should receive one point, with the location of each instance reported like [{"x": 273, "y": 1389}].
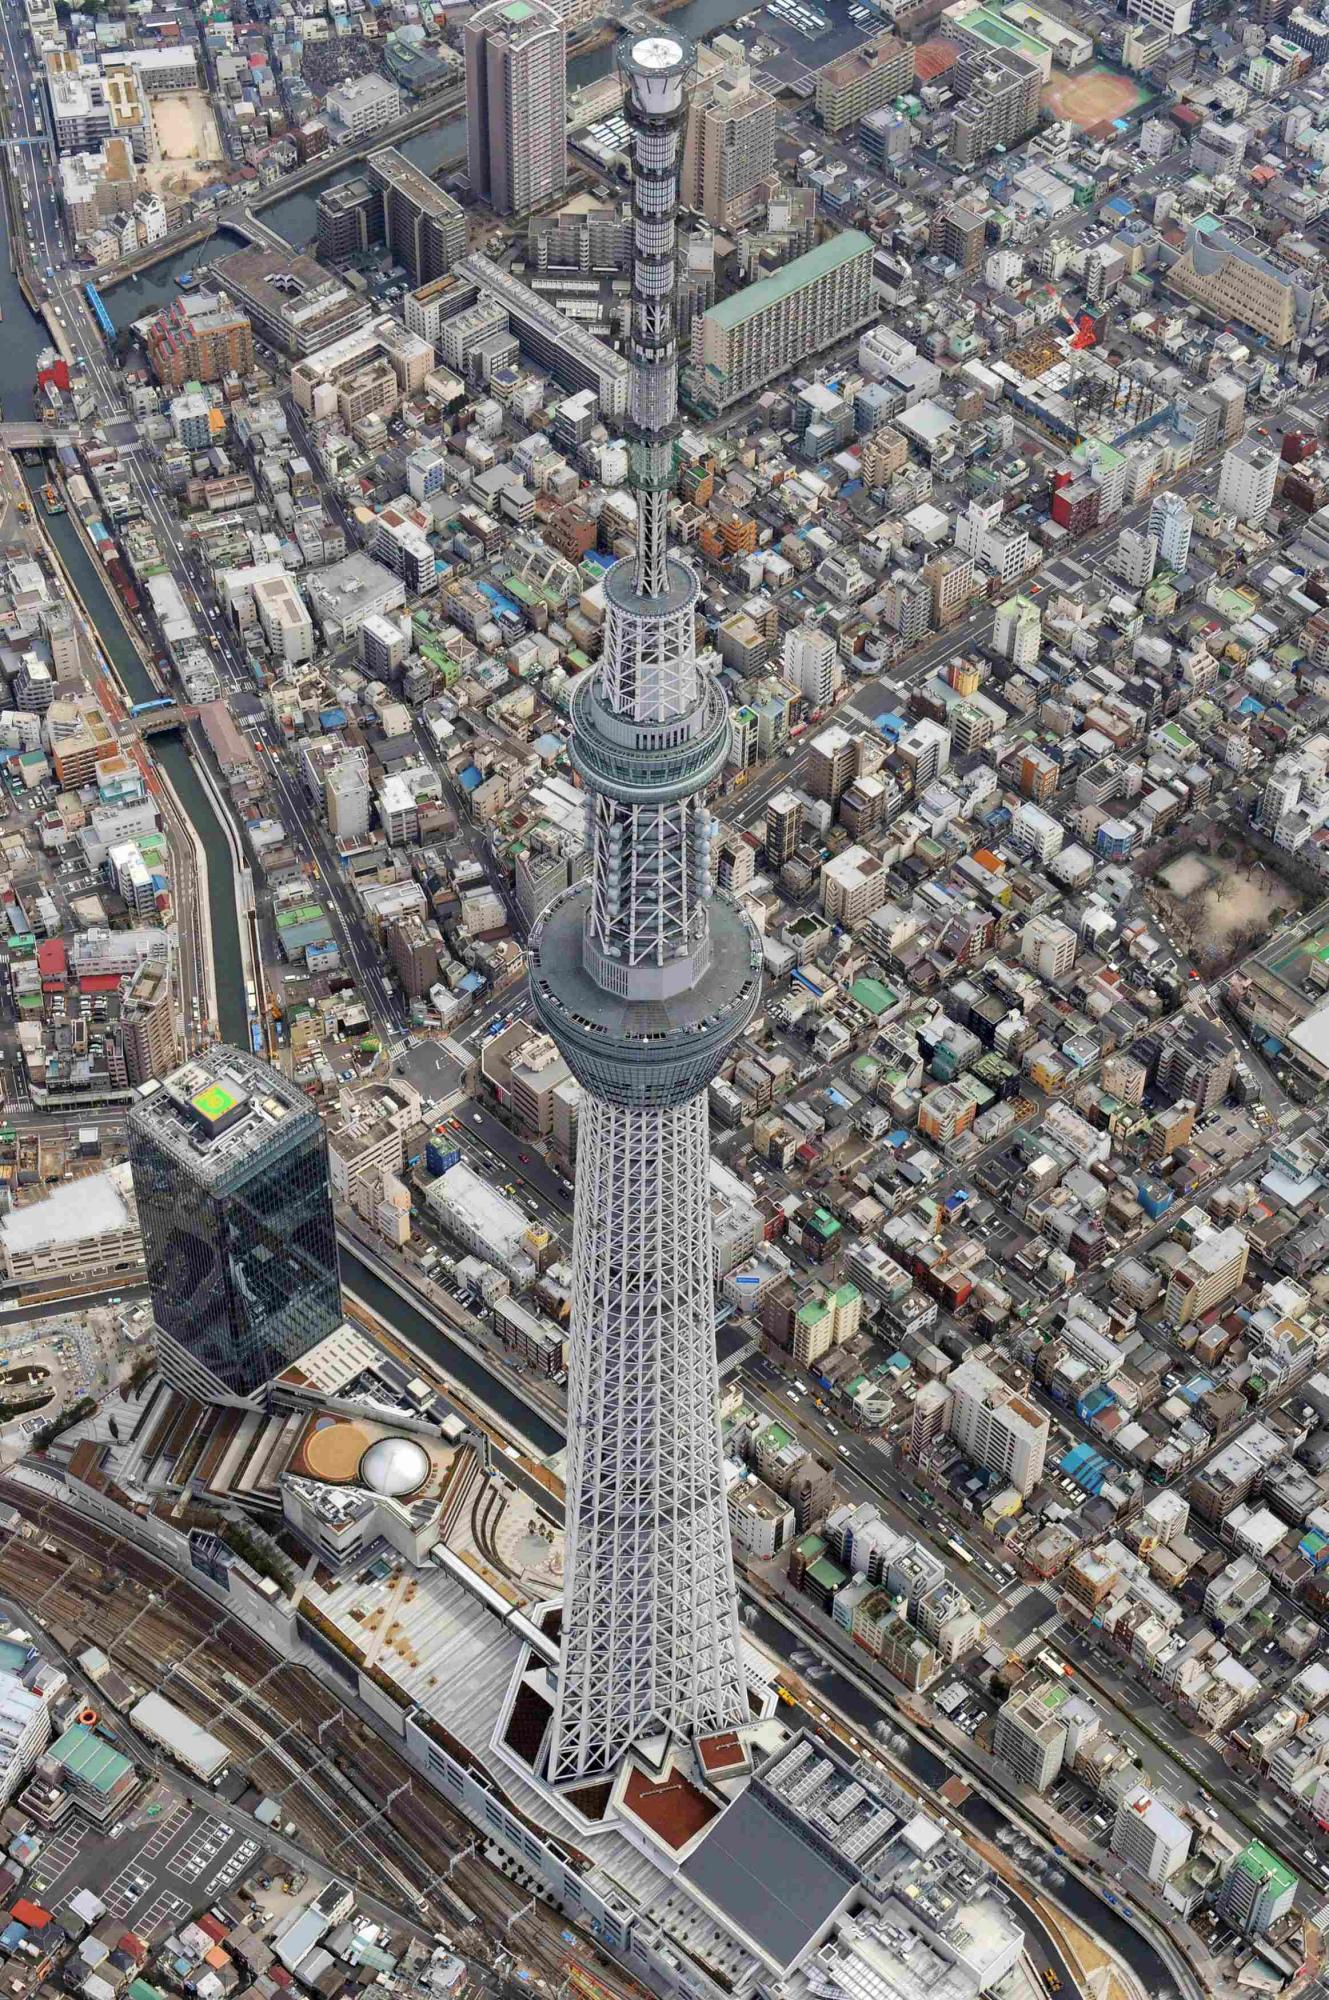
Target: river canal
[{"x": 170, "y": 753}]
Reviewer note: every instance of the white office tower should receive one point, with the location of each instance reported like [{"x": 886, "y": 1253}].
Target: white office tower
[
  {"x": 811, "y": 662},
  {"x": 1017, "y": 631},
  {"x": 1246, "y": 482},
  {"x": 1170, "y": 526},
  {"x": 1136, "y": 558},
  {"x": 1150, "y": 1836},
  {"x": 644, "y": 977}
]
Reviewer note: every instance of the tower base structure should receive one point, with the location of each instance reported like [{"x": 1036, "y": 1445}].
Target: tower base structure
[{"x": 663, "y": 1791}]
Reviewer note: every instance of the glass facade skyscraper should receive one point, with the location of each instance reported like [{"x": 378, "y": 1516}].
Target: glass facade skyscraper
[{"x": 230, "y": 1169}]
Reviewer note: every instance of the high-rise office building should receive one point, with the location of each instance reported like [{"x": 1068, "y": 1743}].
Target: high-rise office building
[
  {"x": 810, "y": 659},
  {"x": 1170, "y": 525},
  {"x": 1030, "y": 1737},
  {"x": 1150, "y": 1836},
  {"x": 350, "y": 219},
  {"x": 422, "y": 225},
  {"x": 729, "y": 149},
  {"x": 230, "y": 1168},
  {"x": 516, "y": 105},
  {"x": 644, "y": 976},
  {"x": 1246, "y": 481},
  {"x": 1257, "y": 1890}
]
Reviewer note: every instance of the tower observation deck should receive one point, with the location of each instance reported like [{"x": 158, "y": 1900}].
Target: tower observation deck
[{"x": 644, "y": 977}]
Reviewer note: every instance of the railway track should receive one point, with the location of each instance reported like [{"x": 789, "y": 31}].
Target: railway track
[{"x": 353, "y": 1799}]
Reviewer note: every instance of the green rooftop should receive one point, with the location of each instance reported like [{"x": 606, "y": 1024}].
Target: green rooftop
[
  {"x": 872, "y": 995},
  {"x": 804, "y": 270},
  {"x": 827, "y": 1575},
  {"x": 1258, "y": 1862},
  {"x": 214, "y": 1102},
  {"x": 89, "y": 1758}
]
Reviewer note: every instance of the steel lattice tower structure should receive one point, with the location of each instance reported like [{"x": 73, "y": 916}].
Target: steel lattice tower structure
[{"x": 644, "y": 978}]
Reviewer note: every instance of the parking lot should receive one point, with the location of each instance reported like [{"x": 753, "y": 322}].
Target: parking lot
[{"x": 161, "y": 1863}]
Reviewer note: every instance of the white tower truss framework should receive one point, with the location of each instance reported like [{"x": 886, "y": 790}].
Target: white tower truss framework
[{"x": 645, "y": 977}]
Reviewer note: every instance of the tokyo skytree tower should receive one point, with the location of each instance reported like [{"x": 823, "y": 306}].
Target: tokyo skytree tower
[{"x": 644, "y": 977}]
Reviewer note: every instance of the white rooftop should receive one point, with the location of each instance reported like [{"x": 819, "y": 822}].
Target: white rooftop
[{"x": 84, "y": 1209}]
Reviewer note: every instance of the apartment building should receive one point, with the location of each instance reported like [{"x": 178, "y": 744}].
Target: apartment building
[
  {"x": 400, "y": 541},
  {"x": 868, "y": 78},
  {"x": 1170, "y": 525},
  {"x": 810, "y": 661},
  {"x": 1048, "y": 945},
  {"x": 422, "y": 225},
  {"x": 366, "y": 372},
  {"x": 832, "y": 762},
  {"x": 744, "y": 342},
  {"x": 350, "y": 219},
  {"x": 1246, "y": 481},
  {"x": 203, "y": 338},
  {"x": 729, "y": 144},
  {"x": 516, "y": 114},
  {"x": 1000, "y": 93},
  {"x": 1210, "y": 1274},
  {"x": 996, "y": 1427},
  {"x": 825, "y": 1321},
  {"x": 147, "y": 1023},
  {"x": 347, "y": 797},
  {"x": 853, "y": 885}
]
